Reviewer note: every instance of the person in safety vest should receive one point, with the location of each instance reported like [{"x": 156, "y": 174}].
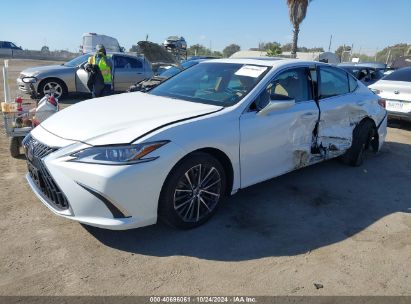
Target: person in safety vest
[{"x": 100, "y": 69}]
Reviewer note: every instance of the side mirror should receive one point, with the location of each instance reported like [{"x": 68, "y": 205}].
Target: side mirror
[{"x": 276, "y": 105}]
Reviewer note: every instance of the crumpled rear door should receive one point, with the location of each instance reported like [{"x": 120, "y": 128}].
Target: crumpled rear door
[{"x": 341, "y": 110}]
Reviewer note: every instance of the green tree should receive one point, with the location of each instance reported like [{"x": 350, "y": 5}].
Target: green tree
[
  {"x": 265, "y": 46},
  {"x": 217, "y": 54},
  {"x": 316, "y": 49},
  {"x": 198, "y": 50},
  {"x": 341, "y": 52},
  {"x": 393, "y": 52},
  {"x": 274, "y": 50},
  {"x": 297, "y": 10},
  {"x": 45, "y": 49},
  {"x": 231, "y": 49},
  {"x": 287, "y": 47}
]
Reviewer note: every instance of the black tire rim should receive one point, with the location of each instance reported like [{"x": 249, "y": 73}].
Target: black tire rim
[{"x": 197, "y": 193}]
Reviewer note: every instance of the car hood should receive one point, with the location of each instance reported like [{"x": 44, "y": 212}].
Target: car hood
[
  {"x": 121, "y": 119},
  {"x": 48, "y": 68}
]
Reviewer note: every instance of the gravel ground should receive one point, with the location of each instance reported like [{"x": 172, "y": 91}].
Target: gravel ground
[{"x": 348, "y": 229}]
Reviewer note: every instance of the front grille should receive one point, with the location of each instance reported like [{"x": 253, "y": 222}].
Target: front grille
[{"x": 35, "y": 152}]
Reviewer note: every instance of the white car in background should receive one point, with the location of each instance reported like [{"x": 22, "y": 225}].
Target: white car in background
[
  {"x": 395, "y": 88},
  {"x": 173, "y": 153}
]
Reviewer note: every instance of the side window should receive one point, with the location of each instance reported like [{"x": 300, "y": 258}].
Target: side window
[
  {"x": 122, "y": 62},
  {"x": 291, "y": 84},
  {"x": 333, "y": 82},
  {"x": 353, "y": 83}
]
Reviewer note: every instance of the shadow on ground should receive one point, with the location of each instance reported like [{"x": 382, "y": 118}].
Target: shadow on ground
[
  {"x": 293, "y": 214},
  {"x": 399, "y": 124}
]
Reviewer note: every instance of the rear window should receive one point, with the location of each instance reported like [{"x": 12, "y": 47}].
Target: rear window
[
  {"x": 333, "y": 82},
  {"x": 399, "y": 75},
  {"x": 353, "y": 83},
  {"x": 122, "y": 62}
]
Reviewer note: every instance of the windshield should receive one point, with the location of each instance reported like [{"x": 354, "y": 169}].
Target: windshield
[
  {"x": 175, "y": 70},
  {"x": 400, "y": 75},
  {"x": 78, "y": 60},
  {"x": 222, "y": 84}
]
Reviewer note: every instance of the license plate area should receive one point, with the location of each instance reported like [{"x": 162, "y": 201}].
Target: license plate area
[{"x": 395, "y": 105}]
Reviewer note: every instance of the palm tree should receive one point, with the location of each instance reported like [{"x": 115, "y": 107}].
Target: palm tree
[{"x": 297, "y": 9}]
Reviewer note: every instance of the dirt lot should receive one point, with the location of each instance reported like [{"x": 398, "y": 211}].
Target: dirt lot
[{"x": 348, "y": 229}]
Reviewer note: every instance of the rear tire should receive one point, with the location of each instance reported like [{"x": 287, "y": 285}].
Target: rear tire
[
  {"x": 362, "y": 136},
  {"x": 192, "y": 191},
  {"x": 15, "y": 143}
]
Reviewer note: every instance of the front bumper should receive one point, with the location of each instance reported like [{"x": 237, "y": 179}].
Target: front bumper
[
  {"x": 382, "y": 131},
  {"x": 25, "y": 87},
  {"x": 104, "y": 196}
]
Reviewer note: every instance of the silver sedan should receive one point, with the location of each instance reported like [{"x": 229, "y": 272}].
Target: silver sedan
[{"x": 70, "y": 77}]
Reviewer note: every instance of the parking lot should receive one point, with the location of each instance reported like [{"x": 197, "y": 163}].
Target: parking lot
[{"x": 347, "y": 230}]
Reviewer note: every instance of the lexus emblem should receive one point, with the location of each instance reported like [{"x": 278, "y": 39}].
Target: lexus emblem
[{"x": 396, "y": 92}]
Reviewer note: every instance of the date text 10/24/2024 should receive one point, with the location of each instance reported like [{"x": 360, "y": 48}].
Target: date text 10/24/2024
[{"x": 204, "y": 299}]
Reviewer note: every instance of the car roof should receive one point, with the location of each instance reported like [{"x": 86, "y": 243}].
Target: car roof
[
  {"x": 116, "y": 53},
  {"x": 272, "y": 62},
  {"x": 355, "y": 66},
  {"x": 376, "y": 65}
]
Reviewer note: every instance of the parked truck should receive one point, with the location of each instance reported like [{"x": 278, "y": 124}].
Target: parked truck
[{"x": 90, "y": 40}]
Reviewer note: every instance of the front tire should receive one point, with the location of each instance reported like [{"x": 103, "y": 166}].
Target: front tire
[
  {"x": 55, "y": 86},
  {"x": 192, "y": 191}
]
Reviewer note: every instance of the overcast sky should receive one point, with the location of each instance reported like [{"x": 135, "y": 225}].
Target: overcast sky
[{"x": 368, "y": 24}]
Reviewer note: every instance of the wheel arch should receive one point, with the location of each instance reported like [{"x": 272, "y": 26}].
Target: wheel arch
[
  {"x": 375, "y": 140},
  {"x": 225, "y": 162},
  {"x": 222, "y": 158},
  {"x": 41, "y": 83}
]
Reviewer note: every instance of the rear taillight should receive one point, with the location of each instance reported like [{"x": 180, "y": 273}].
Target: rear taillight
[{"x": 382, "y": 102}]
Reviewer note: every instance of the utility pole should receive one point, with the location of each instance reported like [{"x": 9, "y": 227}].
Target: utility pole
[
  {"x": 329, "y": 46},
  {"x": 388, "y": 57}
]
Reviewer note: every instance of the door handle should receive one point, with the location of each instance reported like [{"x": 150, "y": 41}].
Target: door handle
[{"x": 361, "y": 103}]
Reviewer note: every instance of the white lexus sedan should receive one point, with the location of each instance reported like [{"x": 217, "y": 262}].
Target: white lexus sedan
[
  {"x": 174, "y": 153},
  {"x": 395, "y": 88}
]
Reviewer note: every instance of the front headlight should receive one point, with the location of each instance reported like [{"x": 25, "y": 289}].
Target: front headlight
[
  {"x": 117, "y": 155},
  {"x": 29, "y": 79}
]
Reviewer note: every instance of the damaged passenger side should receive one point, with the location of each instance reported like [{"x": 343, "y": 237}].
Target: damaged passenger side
[{"x": 333, "y": 132}]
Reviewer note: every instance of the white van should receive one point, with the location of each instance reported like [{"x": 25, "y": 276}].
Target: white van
[{"x": 90, "y": 40}]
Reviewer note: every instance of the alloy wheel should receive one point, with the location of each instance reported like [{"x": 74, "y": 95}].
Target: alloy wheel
[
  {"x": 53, "y": 88},
  {"x": 197, "y": 193}
]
